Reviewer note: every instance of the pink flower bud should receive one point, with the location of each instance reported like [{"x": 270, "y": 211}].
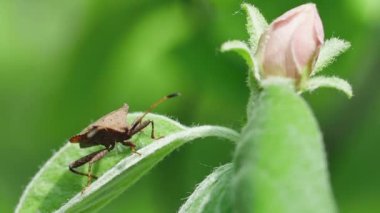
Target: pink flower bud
[{"x": 290, "y": 45}]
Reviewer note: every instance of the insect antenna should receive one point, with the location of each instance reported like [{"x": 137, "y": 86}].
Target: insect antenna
[{"x": 154, "y": 105}]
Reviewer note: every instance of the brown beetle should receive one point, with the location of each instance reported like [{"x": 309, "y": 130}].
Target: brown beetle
[{"x": 107, "y": 131}]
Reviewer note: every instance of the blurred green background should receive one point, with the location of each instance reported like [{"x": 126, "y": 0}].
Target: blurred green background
[{"x": 63, "y": 64}]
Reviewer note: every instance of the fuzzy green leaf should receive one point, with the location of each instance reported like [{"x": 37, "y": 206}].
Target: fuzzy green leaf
[
  {"x": 256, "y": 25},
  {"x": 330, "y": 82},
  {"x": 331, "y": 49},
  {"x": 240, "y": 48},
  {"x": 212, "y": 194},
  {"x": 54, "y": 188},
  {"x": 280, "y": 162}
]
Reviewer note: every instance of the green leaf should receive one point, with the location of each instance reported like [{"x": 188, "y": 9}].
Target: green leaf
[
  {"x": 331, "y": 49},
  {"x": 243, "y": 50},
  {"x": 256, "y": 24},
  {"x": 240, "y": 48},
  {"x": 280, "y": 162},
  {"x": 330, "y": 82},
  {"x": 212, "y": 194},
  {"x": 54, "y": 188}
]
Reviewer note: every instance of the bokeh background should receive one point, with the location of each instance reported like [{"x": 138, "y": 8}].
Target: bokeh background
[{"x": 63, "y": 64}]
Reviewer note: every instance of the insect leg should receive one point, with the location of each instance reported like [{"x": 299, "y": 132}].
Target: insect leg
[
  {"x": 83, "y": 160},
  {"x": 131, "y": 145},
  {"x": 141, "y": 126},
  {"x": 89, "y": 177},
  {"x": 95, "y": 158},
  {"x": 135, "y": 124}
]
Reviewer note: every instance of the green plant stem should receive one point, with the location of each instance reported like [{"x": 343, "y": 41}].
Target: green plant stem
[{"x": 280, "y": 163}]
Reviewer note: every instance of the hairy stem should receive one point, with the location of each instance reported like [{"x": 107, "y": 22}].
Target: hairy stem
[{"x": 280, "y": 163}]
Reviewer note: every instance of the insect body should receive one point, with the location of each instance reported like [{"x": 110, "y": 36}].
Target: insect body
[{"x": 107, "y": 131}]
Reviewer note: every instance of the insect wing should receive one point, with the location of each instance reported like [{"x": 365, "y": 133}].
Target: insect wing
[{"x": 116, "y": 120}]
